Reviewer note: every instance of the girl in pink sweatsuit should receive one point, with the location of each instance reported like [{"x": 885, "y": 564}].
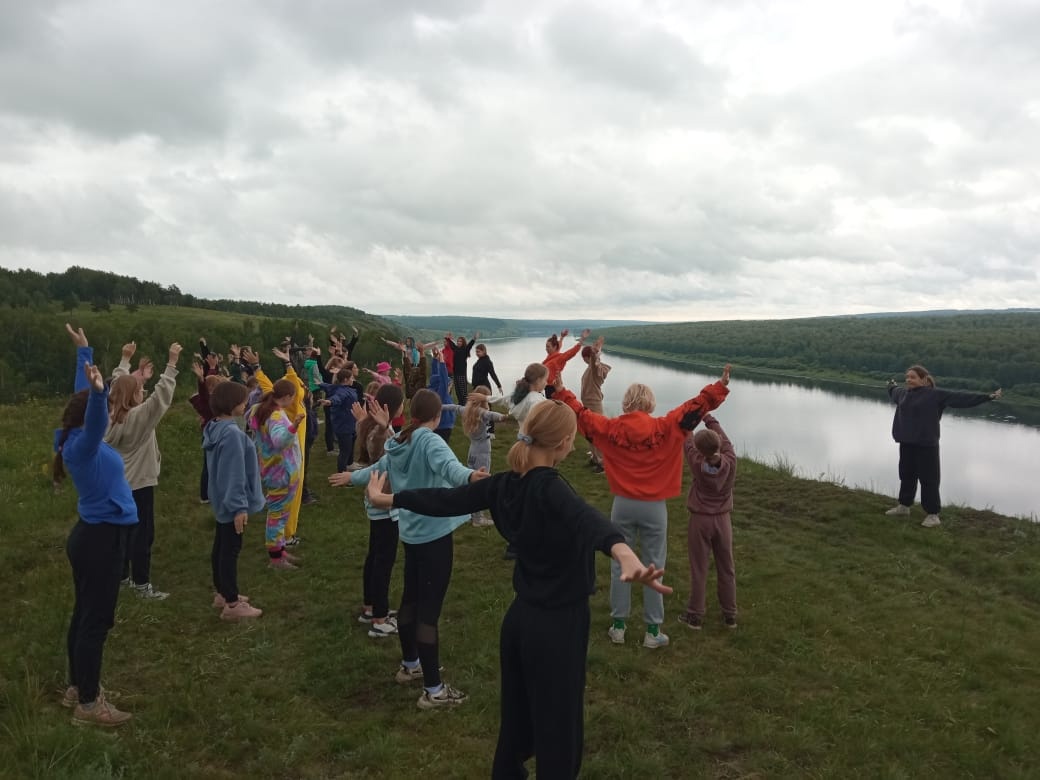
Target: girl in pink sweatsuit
[{"x": 713, "y": 464}]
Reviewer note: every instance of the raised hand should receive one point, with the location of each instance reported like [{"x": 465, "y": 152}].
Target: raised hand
[
  {"x": 598, "y": 346},
  {"x": 584, "y": 334},
  {"x": 249, "y": 356},
  {"x": 77, "y": 336},
  {"x": 196, "y": 368},
  {"x": 281, "y": 354},
  {"x": 145, "y": 368},
  {"x": 374, "y": 492},
  {"x": 234, "y": 350},
  {"x": 379, "y": 414},
  {"x": 129, "y": 350},
  {"x": 354, "y": 328},
  {"x": 357, "y": 410},
  {"x": 94, "y": 378},
  {"x": 725, "y": 375},
  {"x": 174, "y": 354},
  {"x": 563, "y": 333}
]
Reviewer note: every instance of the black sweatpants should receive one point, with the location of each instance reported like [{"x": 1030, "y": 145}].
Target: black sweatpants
[
  {"x": 204, "y": 480},
  {"x": 427, "y": 572},
  {"x": 96, "y": 553},
  {"x": 461, "y": 387},
  {"x": 227, "y": 544},
  {"x": 919, "y": 463},
  {"x": 542, "y": 657},
  {"x": 329, "y": 433},
  {"x": 346, "y": 450},
  {"x": 137, "y": 563},
  {"x": 379, "y": 565}
]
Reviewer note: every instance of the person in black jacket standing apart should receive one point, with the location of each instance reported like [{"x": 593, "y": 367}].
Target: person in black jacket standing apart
[
  {"x": 545, "y": 633},
  {"x": 460, "y": 349},
  {"x": 919, "y": 407},
  {"x": 484, "y": 370}
]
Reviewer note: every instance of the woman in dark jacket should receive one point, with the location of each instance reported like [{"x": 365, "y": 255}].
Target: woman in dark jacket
[{"x": 919, "y": 407}]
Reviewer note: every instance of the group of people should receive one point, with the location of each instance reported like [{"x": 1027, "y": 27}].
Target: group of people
[{"x": 256, "y": 437}]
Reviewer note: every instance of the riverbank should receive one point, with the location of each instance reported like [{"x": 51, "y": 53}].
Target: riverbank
[
  {"x": 1015, "y": 408},
  {"x": 867, "y": 645}
]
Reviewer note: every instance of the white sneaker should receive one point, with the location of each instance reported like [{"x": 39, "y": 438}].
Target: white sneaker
[
  {"x": 355, "y": 466},
  {"x": 653, "y": 642},
  {"x": 931, "y": 521},
  {"x": 384, "y": 629},
  {"x": 617, "y": 635},
  {"x": 446, "y": 697},
  {"x": 146, "y": 591},
  {"x": 898, "y": 511}
]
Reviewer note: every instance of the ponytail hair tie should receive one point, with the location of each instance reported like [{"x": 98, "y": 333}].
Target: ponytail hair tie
[{"x": 524, "y": 438}]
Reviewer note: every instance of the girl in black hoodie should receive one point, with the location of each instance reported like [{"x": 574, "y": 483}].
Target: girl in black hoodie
[{"x": 545, "y": 632}]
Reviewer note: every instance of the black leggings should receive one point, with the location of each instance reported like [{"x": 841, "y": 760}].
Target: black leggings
[
  {"x": 379, "y": 565},
  {"x": 204, "y": 480},
  {"x": 461, "y": 388},
  {"x": 137, "y": 563},
  {"x": 227, "y": 544},
  {"x": 96, "y": 553},
  {"x": 919, "y": 464},
  {"x": 542, "y": 658},
  {"x": 427, "y": 572}
]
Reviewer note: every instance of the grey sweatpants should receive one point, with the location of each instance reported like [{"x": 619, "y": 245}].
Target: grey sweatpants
[{"x": 647, "y": 522}]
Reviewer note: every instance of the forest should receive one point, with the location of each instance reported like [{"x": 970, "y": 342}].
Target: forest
[
  {"x": 969, "y": 350},
  {"x": 35, "y": 352}
]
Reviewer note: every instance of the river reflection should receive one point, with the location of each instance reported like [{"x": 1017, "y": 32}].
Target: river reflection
[{"x": 840, "y": 436}]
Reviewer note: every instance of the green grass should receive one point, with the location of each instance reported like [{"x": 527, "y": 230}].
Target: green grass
[{"x": 867, "y": 646}]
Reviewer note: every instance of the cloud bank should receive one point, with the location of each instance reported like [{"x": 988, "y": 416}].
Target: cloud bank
[{"x": 652, "y": 160}]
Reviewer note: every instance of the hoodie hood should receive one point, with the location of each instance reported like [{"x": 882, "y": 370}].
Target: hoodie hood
[{"x": 216, "y": 431}]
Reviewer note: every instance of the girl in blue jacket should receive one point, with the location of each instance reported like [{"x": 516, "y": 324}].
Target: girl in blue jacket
[
  {"x": 418, "y": 457},
  {"x": 97, "y": 542}
]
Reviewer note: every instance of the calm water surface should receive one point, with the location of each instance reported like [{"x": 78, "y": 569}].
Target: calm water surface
[{"x": 986, "y": 463}]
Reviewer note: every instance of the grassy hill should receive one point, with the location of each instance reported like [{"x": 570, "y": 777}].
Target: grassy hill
[{"x": 867, "y": 645}]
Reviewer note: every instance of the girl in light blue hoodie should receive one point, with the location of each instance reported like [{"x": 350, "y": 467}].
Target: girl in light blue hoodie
[{"x": 419, "y": 458}]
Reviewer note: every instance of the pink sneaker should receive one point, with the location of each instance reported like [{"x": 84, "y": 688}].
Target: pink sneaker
[
  {"x": 293, "y": 559},
  {"x": 220, "y": 603},
  {"x": 280, "y": 563},
  {"x": 240, "y": 611}
]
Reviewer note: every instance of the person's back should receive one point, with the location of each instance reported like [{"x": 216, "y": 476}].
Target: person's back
[{"x": 711, "y": 485}]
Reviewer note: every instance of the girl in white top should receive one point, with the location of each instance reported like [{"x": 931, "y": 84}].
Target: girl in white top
[{"x": 529, "y": 391}]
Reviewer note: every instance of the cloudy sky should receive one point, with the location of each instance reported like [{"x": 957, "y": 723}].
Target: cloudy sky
[{"x": 668, "y": 160}]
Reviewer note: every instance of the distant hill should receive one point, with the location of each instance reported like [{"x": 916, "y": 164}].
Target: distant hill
[{"x": 433, "y": 327}]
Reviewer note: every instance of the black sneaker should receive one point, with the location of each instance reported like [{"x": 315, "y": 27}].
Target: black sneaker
[
  {"x": 730, "y": 621},
  {"x": 690, "y": 621}
]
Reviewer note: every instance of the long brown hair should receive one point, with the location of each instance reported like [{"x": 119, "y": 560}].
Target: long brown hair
[
  {"x": 548, "y": 424},
  {"x": 266, "y": 405},
  {"x": 71, "y": 418},
  {"x": 426, "y": 406},
  {"x": 122, "y": 397}
]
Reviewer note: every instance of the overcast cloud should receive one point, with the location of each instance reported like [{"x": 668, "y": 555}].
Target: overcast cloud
[{"x": 666, "y": 160}]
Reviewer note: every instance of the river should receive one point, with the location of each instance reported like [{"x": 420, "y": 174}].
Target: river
[{"x": 987, "y": 461}]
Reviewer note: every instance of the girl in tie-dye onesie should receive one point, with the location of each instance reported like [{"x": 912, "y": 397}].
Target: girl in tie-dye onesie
[{"x": 281, "y": 464}]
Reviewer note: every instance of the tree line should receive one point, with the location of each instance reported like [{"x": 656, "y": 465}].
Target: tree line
[{"x": 969, "y": 350}]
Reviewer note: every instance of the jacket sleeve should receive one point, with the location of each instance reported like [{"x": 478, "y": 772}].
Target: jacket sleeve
[
  {"x": 690, "y": 412},
  {"x": 95, "y": 423},
  {"x": 449, "y": 502},
  {"x": 360, "y": 477},
  {"x": 589, "y": 423},
  {"x": 443, "y": 461},
  {"x": 956, "y": 400},
  {"x": 349, "y": 349},
  {"x": 493, "y": 375},
  {"x": 84, "y": 355},
  {"x": 122, "y": 369},
  {"x": 279, "y": 431},
  {"x": 264, "y": 381},
  {"x": 580, "y": 517},
  {"x": 157, "y": 404},
  {"x": 237, "y": 495}
]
